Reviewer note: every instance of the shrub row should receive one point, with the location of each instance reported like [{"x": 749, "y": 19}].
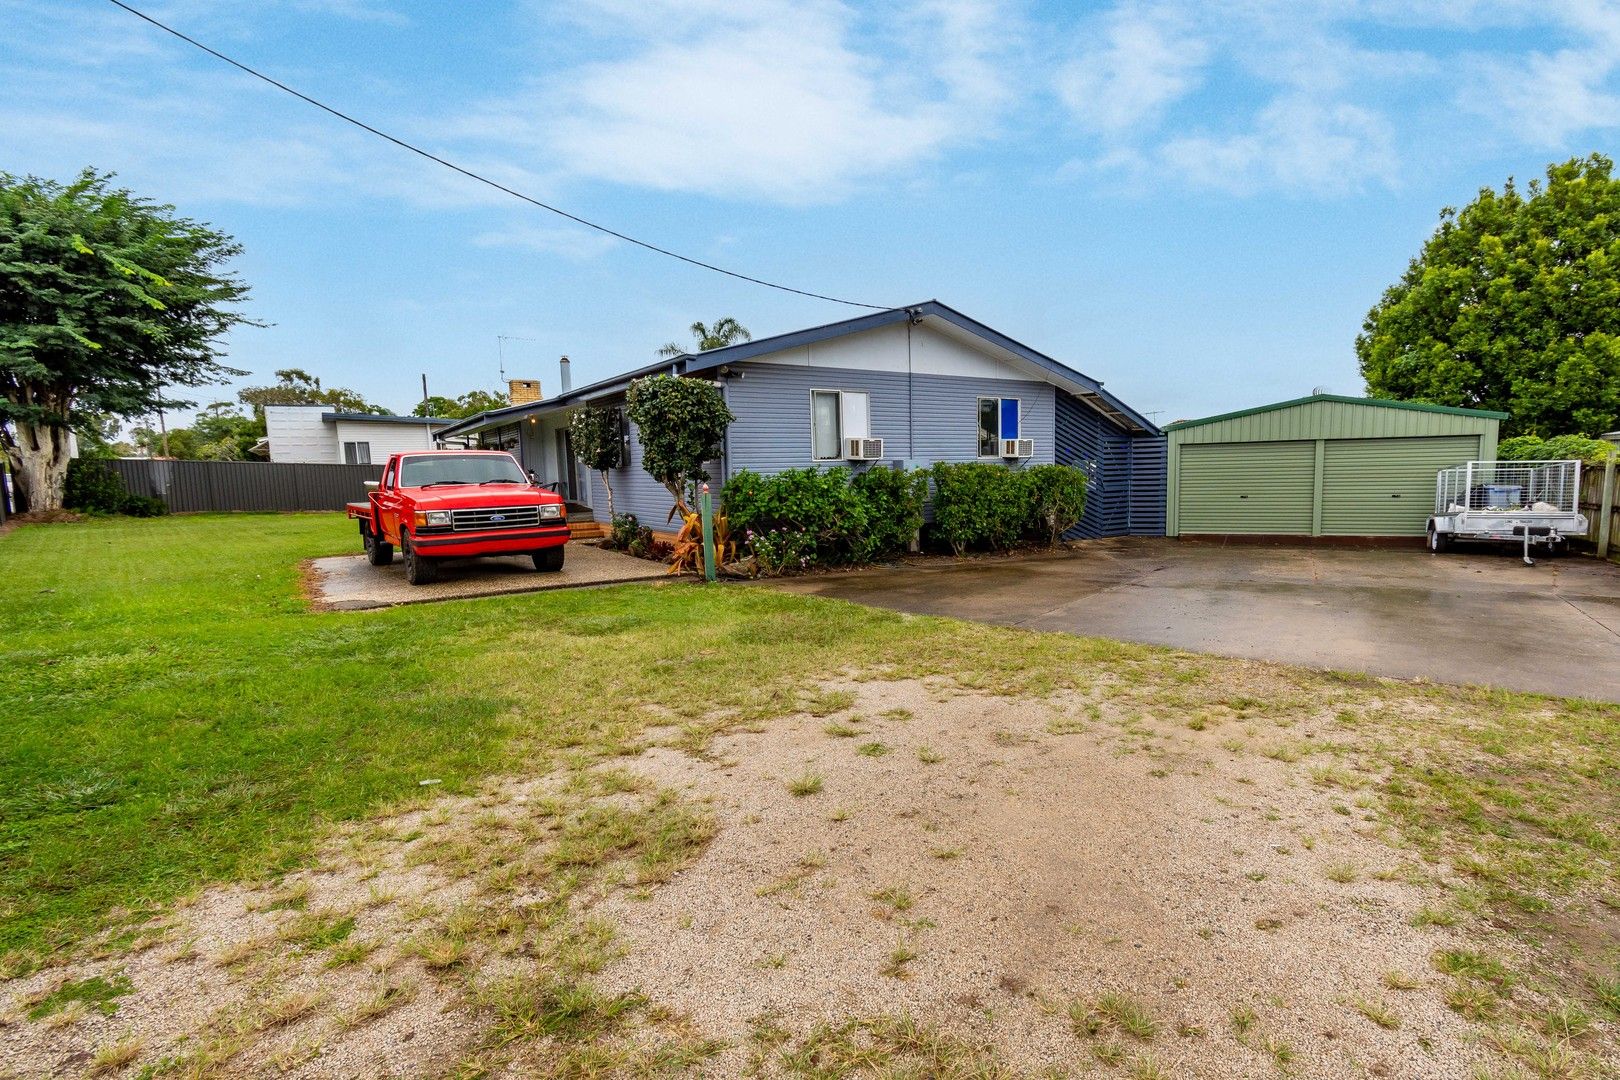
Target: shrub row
[
  {"x": 93, "y": 488},
  {"x": 1556, "y": 448},
  {"x": 980, "y": 505},
  {"x": 823, "y": 517},
  {"x": 831, "y": 517}
]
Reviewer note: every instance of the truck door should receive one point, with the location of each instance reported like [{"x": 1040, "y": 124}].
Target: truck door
[{"x": 385, "y": 502}]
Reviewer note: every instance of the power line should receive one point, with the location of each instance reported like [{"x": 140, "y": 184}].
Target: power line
[{"x": 402, "y": 144}]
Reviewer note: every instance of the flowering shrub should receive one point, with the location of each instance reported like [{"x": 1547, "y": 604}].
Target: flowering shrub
[{"x": 778, "y": 551}]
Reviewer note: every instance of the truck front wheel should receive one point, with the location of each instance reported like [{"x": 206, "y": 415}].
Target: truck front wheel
[
  {"x": 418, "y": 569},
  {"x": 548, "y": 559},
  {"x": 378, "y": 552}
]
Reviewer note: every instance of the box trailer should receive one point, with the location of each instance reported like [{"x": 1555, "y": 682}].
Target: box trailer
[{"x": 1533, "y": 503}]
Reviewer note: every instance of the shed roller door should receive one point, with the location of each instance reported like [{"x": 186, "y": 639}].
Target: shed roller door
[
  {"x": 1385, "y": 487},
  {"x": 1260, "y": 487}
]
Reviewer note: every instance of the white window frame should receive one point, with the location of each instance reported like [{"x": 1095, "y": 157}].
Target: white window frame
[
  {"x": 838, "y": 442},
  {"x": 352, "y": 448}
]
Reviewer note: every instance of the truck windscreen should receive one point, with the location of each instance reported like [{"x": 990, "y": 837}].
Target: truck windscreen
[{"x": 427, "y": 470}]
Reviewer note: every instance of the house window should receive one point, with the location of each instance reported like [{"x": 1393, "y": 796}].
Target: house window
[
  {"x": 357, "y": 453},
  {"x": 836, "y": 415},
  {"x": 998, "y": 420}
]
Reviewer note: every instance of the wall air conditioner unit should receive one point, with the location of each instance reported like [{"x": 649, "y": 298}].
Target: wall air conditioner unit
[
  {"x": 863, "y": 449},
  {"x": 1017, "y": 448}
]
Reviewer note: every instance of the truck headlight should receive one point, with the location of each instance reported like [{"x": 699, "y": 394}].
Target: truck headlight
[
  {"x": 551, "y": 510},
  {"x": 437, "y": 517}
]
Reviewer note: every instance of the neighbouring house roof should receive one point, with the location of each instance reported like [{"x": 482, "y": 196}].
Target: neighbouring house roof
[
  {"x": 1379, "y": 403},
  {"x": 1082, "y": 386},
  {"x": 370, "y": 419}
]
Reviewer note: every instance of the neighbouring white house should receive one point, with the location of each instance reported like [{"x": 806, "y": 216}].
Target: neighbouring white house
[{"x": 314, "y": 434}]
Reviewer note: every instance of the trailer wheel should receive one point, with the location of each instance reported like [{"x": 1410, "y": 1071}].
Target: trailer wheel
[
  {"x": 548, "y": 559},
  {"x": 378, "y": 552},
  {"x": 419, "y": 570},
  {"x": 1438, "y": 541}
]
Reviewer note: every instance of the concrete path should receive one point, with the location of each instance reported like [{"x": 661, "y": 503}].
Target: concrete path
[
  {"x": 1472, "y": 616},
  {"x": 349, "y": 583}
]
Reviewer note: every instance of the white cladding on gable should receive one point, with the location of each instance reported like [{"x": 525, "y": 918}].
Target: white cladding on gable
[
  {"x": 297, "y": 433},
  {"x": 884, "y": 349}
]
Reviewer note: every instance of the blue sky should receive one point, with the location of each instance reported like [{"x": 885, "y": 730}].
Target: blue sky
[{"x": 1195, "y": 202}]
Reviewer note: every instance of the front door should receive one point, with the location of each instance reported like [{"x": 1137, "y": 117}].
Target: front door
[{"x": 566, "y": 466}]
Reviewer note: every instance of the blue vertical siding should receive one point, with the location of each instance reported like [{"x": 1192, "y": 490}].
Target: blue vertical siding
[{"x": 1126, "y": 492}]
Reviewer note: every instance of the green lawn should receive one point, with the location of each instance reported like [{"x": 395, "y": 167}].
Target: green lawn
[{"x": 174, "y": 714}]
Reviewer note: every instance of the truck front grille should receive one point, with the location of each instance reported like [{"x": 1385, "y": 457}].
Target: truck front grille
[{"x": 495, "y": 517}]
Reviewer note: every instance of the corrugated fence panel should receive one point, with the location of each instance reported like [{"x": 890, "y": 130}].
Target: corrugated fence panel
[{"x": 201, "y": 486}]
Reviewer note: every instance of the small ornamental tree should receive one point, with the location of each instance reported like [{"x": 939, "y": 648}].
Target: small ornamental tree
[
  {"x": 680, "y": 422},
  {"x": 598, "y": 439}
]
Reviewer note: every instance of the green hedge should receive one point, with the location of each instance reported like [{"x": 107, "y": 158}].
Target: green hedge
[
  {"x": 822, "y": 517},
  {"x": 1557, "y": 448},
  {"x": 92, "y": 487},
  {"x": 829, "y": 517},
  {"x": 980, "y": 505}
]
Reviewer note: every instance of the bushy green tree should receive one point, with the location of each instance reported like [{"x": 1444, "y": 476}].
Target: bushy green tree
[
  {"x": 295, "y": 386},
  {"x": 597, "y": 435},
  {"x": 471, "y": 403},
  {"x": 1513, "y": 304},
  {"x": 1557, "y": 448},
  {"x": 107, "y": 302},
  {"x": 680, "y": 422}
]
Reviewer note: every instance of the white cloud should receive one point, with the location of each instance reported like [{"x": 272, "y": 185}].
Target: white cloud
[
  {"x": 1143, "y": 62},
  {"x": 1545, "y": 99},
  {"x": 773, "y": 100},
  {"x": 572, "y": 242},
  {"x": 1295, "y": 143}
]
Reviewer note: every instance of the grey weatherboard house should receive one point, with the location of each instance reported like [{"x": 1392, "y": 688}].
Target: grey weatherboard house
[{"x": 925, "y": 380}]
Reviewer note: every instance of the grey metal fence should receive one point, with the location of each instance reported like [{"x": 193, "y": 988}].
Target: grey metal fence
[{"x": 191, "y": 486}]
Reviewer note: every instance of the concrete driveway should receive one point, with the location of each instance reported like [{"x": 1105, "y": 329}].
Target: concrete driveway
[{"x": 1464, "y": 617}]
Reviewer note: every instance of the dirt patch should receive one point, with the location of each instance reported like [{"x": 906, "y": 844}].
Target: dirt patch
[
  {"x": 1037, "y": 860},
  {"x": 916, "y": 875}
]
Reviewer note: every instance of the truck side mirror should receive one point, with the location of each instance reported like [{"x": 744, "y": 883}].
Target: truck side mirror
[{"x": 373, "y": 485}]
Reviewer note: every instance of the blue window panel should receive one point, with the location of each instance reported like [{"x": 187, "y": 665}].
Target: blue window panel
[{"x": 1009, "y": 418}]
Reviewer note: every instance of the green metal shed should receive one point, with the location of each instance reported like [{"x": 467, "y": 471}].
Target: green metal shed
[{"x": 1322, "y": 465}]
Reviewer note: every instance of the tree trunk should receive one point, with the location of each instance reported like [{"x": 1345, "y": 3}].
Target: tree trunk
[
  {"x": 608, "y": 485},
  {"x": 678, "y": 493},
  {"x": 39, "y": 459}
]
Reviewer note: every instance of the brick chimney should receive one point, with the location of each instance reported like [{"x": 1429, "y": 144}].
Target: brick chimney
[{"x": 523, "y": 391}]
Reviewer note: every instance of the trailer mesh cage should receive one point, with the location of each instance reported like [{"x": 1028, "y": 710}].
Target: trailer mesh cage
[{"x": 1509, "y": 487}]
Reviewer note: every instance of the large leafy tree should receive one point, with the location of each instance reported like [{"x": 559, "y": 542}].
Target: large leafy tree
[
  {"x": 108, "y": 301},
  {"x": 680, "y": 422},
  {"x": 471, "y": 403},
  {"x": 727, "y": 331},
  {"x": 1513, "y": 304},
  {"x": 295, "y": 386}
]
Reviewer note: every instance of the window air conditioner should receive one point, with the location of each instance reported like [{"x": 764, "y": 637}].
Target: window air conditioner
[
  {"x": 1017, "y": 448},
  {"x": 863, "y": 449}
]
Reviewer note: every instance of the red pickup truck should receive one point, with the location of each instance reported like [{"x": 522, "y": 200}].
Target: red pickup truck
[{"x": 458, "y": 504}]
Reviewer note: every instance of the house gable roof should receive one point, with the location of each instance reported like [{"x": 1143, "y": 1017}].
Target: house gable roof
[
  {"x": 1377, "y": 403},
  {"x": 1081, "y": 386}
]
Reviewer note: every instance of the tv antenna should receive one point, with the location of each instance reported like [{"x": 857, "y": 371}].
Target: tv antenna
[{"x": 500, "y": 350}]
